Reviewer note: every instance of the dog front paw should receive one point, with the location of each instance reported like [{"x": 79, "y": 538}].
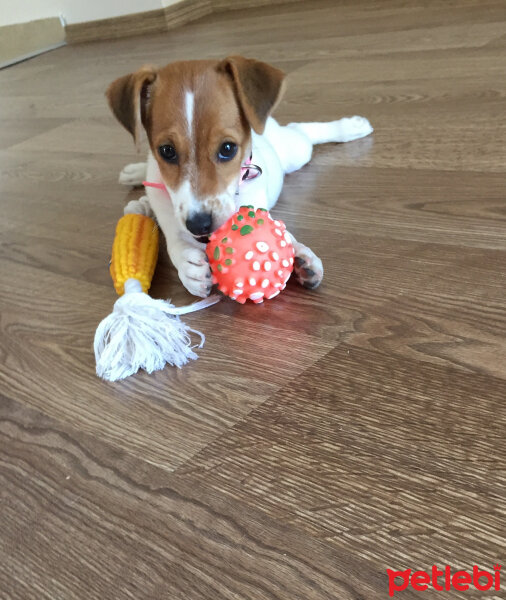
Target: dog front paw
[
  {"x": 133, "y": 174},
  {"x": 139, "y": 207},
  {"x": 194, "y": 272},
  {"x": 308, "y": 267}
]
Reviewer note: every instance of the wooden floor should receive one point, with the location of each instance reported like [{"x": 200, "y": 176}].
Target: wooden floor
[{"x": 321, "y": 437}]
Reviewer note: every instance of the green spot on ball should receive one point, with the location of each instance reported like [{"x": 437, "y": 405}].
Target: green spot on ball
[
  {"x": 216, "y": 253},
  {"x": 260, "y": 221},
  {"x": 220, "y": 268},
  {"x": 229, "y": 250},
  {"x": 251, "y": 214},
  {"x": 224, "y": 240},
  {"x": 240, "y": 217},
  {"x": 228, "y": 262},
  {"x": 235, "y": 227},
  {"x": 246, "y": 229}
]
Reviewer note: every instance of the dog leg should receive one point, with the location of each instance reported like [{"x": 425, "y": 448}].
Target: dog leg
[
  {"x": 342, "y": 130},
  {"x": 133, "y": 174},
  {"x": 186, "y": 254},
  {"x": 294, "y": 143},
  {"x": 139, "y": 207},
  {"x": 193, "y": 268},
  {"x": 308, "y": 267}
]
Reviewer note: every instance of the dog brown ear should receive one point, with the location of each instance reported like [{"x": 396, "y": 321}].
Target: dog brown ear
[
  {"x": 258, "y": 87},
  {"x": 128, "y": 98}
]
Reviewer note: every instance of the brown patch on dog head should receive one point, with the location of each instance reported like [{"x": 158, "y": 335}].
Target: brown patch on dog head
[
  {"x": 128, "y": 98},
  {"x": 216, "y": 118},
  {"x": 258, "y": 86}
]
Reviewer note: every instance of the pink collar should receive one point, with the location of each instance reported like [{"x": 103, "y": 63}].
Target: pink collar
[
  {"x": 160, "y": 186},
  {"x": 249, "y": 171}
]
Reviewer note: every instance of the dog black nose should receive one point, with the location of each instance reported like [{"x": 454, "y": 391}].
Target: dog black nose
[{"x": 199, "y": 223}]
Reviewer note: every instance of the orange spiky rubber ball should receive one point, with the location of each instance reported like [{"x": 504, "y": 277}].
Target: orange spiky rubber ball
[{"x": 251, "y": 256}]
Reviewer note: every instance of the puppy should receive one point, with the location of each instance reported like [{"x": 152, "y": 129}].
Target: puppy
[{"x": 213, "y": 148}]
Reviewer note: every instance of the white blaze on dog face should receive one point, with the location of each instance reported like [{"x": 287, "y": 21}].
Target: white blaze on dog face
[
  {"x": 193, "y": 109},
  {"x": 189, "y": 104}
]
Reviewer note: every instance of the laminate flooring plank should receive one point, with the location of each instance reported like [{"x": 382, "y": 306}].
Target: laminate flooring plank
[
  {"x": 80, "y": 520},
  {"x": 393, "y": 460}
]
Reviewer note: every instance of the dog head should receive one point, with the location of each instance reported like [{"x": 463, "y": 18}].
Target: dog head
[{"x": 198, "y": 117}]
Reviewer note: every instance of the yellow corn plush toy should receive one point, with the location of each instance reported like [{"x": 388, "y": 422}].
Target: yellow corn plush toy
[
  {"x": 141, "y": 332},
  {"x": 134, "y": 252}
]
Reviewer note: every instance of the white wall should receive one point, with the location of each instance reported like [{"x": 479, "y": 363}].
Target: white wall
[
  {"x": 74, "y": 11},
  {"x": 21, "y": 11}
]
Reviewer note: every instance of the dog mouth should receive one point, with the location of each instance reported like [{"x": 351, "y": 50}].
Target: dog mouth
[{"x": 203, "y": 239}]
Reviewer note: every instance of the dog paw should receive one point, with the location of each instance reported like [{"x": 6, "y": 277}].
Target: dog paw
[
  {"x": 352, "y": 128},
  {"x": 194, "y": 272},
  {"x": 139, "y": 207},
  {"x": 308, "y": 268},
  {"x": 133, "y": 174}
]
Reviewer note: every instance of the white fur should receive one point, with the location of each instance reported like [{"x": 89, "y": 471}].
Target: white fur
[
  {"x": 139, "y": 207},
  {"x": 133, "y": 174},
  {"x": 278, "y": 151},
  {"x": 189, "y": 105}
]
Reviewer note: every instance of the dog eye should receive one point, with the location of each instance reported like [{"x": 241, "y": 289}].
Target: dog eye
[
  {"x": 168, "y": 153},
  {"x": 227, "y": 151}
]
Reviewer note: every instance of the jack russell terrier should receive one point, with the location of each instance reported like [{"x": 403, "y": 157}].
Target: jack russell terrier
[{"x": 213, "y": 148}]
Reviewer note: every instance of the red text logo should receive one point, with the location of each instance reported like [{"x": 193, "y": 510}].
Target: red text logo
[{"x": 444, "y": 580}]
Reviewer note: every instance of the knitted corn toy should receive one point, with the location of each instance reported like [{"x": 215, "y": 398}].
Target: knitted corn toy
[{"x": 141, "y": 332}]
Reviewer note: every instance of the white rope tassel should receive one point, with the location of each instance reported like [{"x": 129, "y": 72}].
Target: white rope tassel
[{"x": 144, "y": 333}]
